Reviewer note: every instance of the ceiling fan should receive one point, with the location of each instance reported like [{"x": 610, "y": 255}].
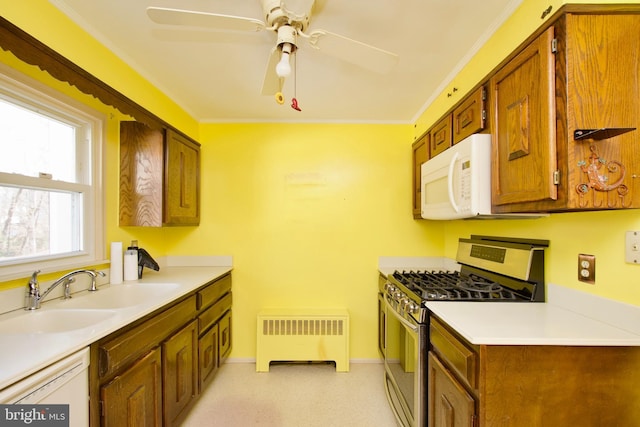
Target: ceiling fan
[{"x": 289, "y": 20}]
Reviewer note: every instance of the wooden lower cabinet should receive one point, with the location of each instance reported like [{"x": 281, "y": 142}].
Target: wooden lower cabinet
[
  {"x": 151, "y": 372},
  {"x": 180, "y": 372},
  {"x": 134, "y": 399},
  {"x": 530, "y": 385},
  {"x": 449, "y": 402}
]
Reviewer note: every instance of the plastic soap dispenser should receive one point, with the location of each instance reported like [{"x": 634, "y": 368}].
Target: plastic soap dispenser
[{"x": 131, "y": 261}]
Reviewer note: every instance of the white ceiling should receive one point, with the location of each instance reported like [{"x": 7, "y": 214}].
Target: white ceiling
[{"x": 217, "y": 76}]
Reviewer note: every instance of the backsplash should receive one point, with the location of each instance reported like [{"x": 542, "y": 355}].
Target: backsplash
[{"x": 13, "y": 299}]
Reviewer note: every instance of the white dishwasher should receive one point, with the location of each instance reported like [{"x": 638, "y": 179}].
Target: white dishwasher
[{"x": 63, "y": 382}]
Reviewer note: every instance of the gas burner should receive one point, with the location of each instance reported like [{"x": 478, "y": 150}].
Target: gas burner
[{"x": 453, "y": 286}]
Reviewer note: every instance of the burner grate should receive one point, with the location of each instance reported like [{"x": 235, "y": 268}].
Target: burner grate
[{"x": 447, "y": 285}]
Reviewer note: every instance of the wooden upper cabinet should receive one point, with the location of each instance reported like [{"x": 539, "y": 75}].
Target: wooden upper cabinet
[
  {"x": 420, "y": 155},
  {"x": 469, "y": 116},
  {"x": 182, "y": 180},
  {"x": 440, "y": 137},
  {"x": 524, "y": 151},
  {"x": 603, "y": 92},
  {"x": 544, "y": 103},
  {"x": 159, "y": 177}
]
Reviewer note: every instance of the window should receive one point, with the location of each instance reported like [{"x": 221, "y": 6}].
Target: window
[{"x": 50, "y": 179}]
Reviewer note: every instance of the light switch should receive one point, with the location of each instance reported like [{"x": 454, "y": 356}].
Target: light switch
[{"x": 632, "y": 247}]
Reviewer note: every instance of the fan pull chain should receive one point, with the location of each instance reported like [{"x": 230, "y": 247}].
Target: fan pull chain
[{"x": 294, "y": 100}]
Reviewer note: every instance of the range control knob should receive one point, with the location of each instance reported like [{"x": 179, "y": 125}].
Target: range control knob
[{"x": 412, "y": 307}]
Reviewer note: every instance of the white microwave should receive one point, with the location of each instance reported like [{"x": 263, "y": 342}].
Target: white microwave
[{"x": 457, "y": 182}]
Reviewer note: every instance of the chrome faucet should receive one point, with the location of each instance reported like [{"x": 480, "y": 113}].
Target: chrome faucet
[{"x": 34, "y": 297}]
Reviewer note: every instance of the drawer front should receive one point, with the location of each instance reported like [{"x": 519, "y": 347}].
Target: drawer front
[
  {"x": 214, "y": 291},
  {"x": 456, "y": 354},
  {"x": 213, "y": 313},
  {"x": 469, "y": 117},
  {"x": 124, "y": 349}
]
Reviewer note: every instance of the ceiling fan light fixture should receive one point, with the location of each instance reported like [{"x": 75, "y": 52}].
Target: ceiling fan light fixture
[{"x": 283, "y": 68}]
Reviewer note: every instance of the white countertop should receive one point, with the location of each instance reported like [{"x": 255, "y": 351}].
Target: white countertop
[
  {"x": 568, "y": 317},
  {"x": 24, "y": 354},
  {"x": 506, "y": 323}
]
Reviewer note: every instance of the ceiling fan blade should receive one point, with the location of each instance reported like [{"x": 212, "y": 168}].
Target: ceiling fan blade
[
  {"x": 272, "y": 83},
  {"x": 213, "y": 21},
  {"x": 353, "y": 51}
]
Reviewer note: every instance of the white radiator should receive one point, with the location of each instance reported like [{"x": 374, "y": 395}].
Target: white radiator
[{"x": 303, "y": 335}]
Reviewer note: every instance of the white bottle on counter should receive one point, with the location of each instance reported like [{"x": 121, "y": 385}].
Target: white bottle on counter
[{"x": 131, "y": 262}]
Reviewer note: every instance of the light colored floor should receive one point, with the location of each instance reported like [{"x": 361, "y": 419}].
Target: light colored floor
[{"x": 294, "y": 395}]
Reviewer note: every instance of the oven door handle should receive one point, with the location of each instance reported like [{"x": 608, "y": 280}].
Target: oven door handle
[{"x": 405, "y": 322}]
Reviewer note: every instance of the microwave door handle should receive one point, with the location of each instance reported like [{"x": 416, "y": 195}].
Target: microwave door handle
[{"x": 450, "y": 183}]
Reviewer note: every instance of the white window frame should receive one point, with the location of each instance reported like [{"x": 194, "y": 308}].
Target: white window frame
[{"x": 36, "y": 94}]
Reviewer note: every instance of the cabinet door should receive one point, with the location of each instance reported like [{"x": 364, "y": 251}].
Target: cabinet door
[
  {"x": 182, "y": 181},
  {"x": 420, "y": 155},
  {"x": 440, "y": 136},
  {"x": 449, "y": 403},
  {"x": 179, "y": 370},
  {"x": 141, "y": 163},
  {"x": 208, "y": 360},
  {"x": 225, "y": 337},
  {"x": 469, "y": 117},
  {"x": 134, "y": 398},
  {"x": 524, "y": 144},
  {"x": 602, "y": 91}
]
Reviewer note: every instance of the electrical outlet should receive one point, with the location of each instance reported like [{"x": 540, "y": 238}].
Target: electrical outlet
[
  {"x": 632, "y": 247},
  {"x": 587, "y": 268}
]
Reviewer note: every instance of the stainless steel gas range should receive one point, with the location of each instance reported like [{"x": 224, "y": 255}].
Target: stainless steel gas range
[{"x": 495, "y": 269}]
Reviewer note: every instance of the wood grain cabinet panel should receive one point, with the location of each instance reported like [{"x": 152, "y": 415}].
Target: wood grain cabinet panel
[
  {"x": 141, "y": 181},
  {"x": 469, "y": 117},
  {"x": 116, "y": 353},
  {"x": 181, "y": 180},
  {"x": 530, "y": 385},
  {"x": 159, "y": 177},
  {"x": 151, "y": 372},
  {"x": 180, "y": 373},
  {"x": 449, "y": 403},
  {"x": 603, "y": 91},
  {"x": 420, "y": 150},
  {"x": 577, "y": 76},
  {"x": 440, "y": 137},
  {"x": 225, "y": 337},
  {"x": 134, "y": 399},
  {"x": 208, "y": 345},
  {"x": 524, "y": 152}
]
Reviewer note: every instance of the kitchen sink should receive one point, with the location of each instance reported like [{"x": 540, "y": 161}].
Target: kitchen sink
[
  {"x": 119, "y": 296},
  {"x": 52, "y": 321}
]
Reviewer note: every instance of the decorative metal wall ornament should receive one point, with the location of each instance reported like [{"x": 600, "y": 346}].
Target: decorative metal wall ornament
[{"x": 600, "y": 173}]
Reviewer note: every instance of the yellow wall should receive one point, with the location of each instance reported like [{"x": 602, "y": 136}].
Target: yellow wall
[
  {"x": 288, "y": 199},
  {"x": 306, "y": 210}
]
